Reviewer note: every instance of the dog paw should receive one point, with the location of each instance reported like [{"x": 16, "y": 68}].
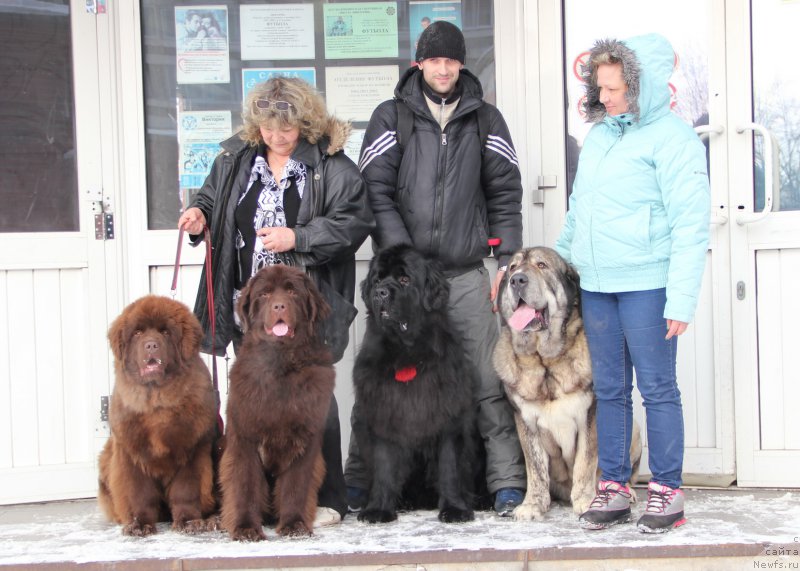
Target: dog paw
[
  {"x": 377, "y": 516},
  {"x": 293, "y": 529},
  {"x": 138, "y": 529},
  {"x": 529, "y": 512},
  {"x": 248, "y": 534},
  {"x": 581, "y": 504},
  {"x": 199, "y": 525},
  {"x": 456, "y": 515}
]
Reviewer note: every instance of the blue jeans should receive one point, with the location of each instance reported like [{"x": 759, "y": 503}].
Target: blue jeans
[{"x": 625, "y": 331}]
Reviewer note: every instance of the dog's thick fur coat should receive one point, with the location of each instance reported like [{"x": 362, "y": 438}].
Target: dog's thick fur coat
[
  {"x": 280, "y": 391},
  {"x": 543, "y": 360},
  {"x": 157, "y": 464},
  {"x": 413, "y": 388}
]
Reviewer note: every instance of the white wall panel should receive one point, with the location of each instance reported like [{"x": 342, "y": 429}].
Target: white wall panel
[
  {"x": 778, "y": 356},
  {"x": 790, "y": 345},
  {"x": 49, "y": 373},
  {"x": 22, "y": 369},
  {"x": 5, "y": 376},
  {"x": 81, "y": 408}
]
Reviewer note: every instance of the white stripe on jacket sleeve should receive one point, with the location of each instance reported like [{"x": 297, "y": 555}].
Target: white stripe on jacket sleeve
[
  {"x": 377, "y": 148},
  {"x": 501, "y": 147}
]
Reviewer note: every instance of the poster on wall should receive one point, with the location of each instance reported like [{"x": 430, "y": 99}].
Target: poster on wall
[
  {"x": 277, "y": 31},
  {"x": 422, "y": 14},
  {"x": 199, "y": 136},
  {"x": 201, "y": 44},
  {"x": 354, "y": 92},
  {"x": 253, "y": 76},
  {"x": 362, "y": 30},
  {"x": 352, "y": 148}
]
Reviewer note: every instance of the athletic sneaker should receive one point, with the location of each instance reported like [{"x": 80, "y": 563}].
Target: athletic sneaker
[
  {"x": 611, "y": 505},
  {"x": 356, "y": 499},
  {"x": 326, "y": 516},
  {"x": 506, "y": 500},
  {"x": 664, "y": 509}
]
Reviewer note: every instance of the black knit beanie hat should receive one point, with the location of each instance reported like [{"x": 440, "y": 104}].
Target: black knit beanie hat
[{"x": 441, "y": 39}]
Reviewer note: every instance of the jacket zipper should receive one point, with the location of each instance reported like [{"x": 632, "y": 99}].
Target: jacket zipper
[{"x": 438, "y": 205}]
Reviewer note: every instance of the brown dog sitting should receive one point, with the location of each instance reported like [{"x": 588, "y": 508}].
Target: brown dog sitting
[
  {"x": 157, "y": 463},
  {"x": 280, "y": 390}
]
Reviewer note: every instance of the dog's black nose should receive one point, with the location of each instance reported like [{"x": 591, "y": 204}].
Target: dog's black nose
[
  {"x": 518, "y": 281},
  {"x": 382, "y": 292}
]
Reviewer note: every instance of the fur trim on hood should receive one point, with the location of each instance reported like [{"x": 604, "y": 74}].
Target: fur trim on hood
[
  {"x": 337, "y": 131},
  {"x": 647, "y": 64}
]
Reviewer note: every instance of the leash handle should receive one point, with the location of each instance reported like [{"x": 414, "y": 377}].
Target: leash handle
[
  {"x": 209, "y": 295},
  {"x": 210, "y": 303},
  {"x": 174, "y": 289}
]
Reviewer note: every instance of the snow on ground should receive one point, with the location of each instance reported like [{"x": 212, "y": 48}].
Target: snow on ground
[{"x": 77, "y": 532}]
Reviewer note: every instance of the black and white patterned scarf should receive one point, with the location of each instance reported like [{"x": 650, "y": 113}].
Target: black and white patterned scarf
[{"x": 269, "y": 210}]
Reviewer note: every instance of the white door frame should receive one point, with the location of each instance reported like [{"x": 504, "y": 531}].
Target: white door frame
[{"x": 73, "y": 276}]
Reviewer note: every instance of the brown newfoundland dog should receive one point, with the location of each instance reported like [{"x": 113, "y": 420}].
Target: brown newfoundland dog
[
  {"x": 157, "y": 464},
  {"x": 413, "y": 386},
  {"x": 280, "y": 390}
]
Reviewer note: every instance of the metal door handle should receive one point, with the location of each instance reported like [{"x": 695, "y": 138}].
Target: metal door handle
[
  {"x": 770, "y": 180},
  {"x": 709, "y": 130}
]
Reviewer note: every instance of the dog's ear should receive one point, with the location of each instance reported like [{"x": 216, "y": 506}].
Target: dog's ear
[
  {"x": 366, "y": 284},
  {"x": 436, "y": 289},
  {"x": 119, "y": 333},
  {"x": 574, "y": 281},
  {"x": 190, "y": 330}
]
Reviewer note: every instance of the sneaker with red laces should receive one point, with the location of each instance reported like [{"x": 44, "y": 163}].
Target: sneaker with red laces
[
  {"x": 611, "y": 505},
  {"x": 664, "y": 509}
]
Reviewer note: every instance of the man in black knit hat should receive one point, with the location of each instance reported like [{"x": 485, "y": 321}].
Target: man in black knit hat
[{"x": 460, "y": 202}]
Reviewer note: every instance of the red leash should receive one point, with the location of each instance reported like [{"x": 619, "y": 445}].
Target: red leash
[{"x": 209, "y": 303}]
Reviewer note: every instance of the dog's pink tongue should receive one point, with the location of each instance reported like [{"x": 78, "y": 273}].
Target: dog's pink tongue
[
  {"x": 522, "y": 316},
  {"x": 280, "y": 329}
]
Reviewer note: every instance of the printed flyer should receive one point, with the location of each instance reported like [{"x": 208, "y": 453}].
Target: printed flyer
[
  {"x": 354, "y": 92},
  {"x": 360, "y": 30},
  {"x": 199, "y": 136},
  {"x": 277, "y": 31},
  {"x": 201, "y": 44}
]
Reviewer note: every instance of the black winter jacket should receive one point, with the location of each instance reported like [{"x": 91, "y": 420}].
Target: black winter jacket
[
  {"x": 333, "y": 221},
  {"x": 440, "y": 193}
]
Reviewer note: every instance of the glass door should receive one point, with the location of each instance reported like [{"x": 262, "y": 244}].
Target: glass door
[
  {"x": 738, "y": 363},
  {"x": 703, "y": 376},
  {"x": 55, "y": 227},
  {"x": 763, "y": 131}
]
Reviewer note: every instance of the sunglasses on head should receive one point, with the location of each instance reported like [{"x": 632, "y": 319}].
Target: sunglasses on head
[{"x": 279, "y": 105}]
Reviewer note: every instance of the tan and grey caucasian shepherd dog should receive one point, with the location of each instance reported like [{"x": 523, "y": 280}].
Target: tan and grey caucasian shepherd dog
[{"x": 543, "y": 360}]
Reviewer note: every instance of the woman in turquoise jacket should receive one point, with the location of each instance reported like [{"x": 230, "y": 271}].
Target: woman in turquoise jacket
[{"x": 637, "y": 232}]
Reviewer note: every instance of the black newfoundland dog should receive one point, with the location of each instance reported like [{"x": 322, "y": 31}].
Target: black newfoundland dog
[{"x": 413, "y": 386}]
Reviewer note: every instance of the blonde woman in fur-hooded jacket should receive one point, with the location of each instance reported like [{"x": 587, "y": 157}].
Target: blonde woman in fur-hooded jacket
[{"x": 637, "y": 232}]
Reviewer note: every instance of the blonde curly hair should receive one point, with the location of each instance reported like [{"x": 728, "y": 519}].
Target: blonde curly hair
[{"x": 307, "y": 109}]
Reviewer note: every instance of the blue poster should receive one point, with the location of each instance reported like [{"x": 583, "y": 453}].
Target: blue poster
[{"x": 253, "y": 76}]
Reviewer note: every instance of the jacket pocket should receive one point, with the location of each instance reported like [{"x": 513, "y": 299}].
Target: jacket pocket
[{"x": 634, "y": 230}]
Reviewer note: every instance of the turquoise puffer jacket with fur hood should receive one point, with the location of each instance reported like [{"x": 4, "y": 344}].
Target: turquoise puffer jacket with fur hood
[{"x": 638, "y": 216}]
